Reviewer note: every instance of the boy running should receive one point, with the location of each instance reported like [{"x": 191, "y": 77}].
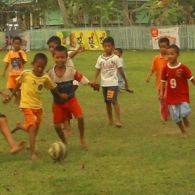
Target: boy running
[
  {"x": 159, "y": 62},
  {"x": 175, "y": 77},
  {"x": 63, "y": 74},
  {"x": 32, "y": 82},
  {"x": 15, "y": 61},
  {"x": 108, "y": 65}
]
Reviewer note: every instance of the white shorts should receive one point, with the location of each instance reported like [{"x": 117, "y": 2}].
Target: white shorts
[{"x": 179, "y": 111}]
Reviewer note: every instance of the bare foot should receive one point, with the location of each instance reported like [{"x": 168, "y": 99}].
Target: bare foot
[
  {"x": 18, "y": 147},
  {"x": 84, "y": 143},
  {"x": 33, "y": 157},
  {"x": 18, "y": 127},
  {"x": 68, "y": 132},
  {"x": 184, "y": 135},
  {"x": 118, "y": 124}
]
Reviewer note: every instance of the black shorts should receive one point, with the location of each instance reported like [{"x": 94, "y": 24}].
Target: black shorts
[
  {"x": 2, "y": 116},
  {"x": 110, "y": 94}
]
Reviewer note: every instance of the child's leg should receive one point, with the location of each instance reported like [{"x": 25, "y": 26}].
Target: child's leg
[
  {"x": 60, "y": 132},
  {"x": 6, "y": 132},
  {"x": 186, "y": 122},
  {"x": 81, "y": 128},
  {"x": 182, "y": 128},
  {"x": 109, "y": 112},
  {"x": 164, "y": 110},
  {"x": 32, "y": 138},
  {"x": 117, "y": 114}
]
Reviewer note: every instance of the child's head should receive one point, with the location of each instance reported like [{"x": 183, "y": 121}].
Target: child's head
[
  {"x": 173, "y": 53},
  {"x": 53, "y": 42},
  {"x": 163, "y": 44},
  {"x": 108, "y": 45},
  {"x": 17, "y": 42},
  {"x": 60, "y": 55},
  {"x": 39, "y": 63},
  {"x": 118, "y": 52}
]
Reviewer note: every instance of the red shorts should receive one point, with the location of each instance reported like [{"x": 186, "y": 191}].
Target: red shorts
[{"x": 61, "y": 112}]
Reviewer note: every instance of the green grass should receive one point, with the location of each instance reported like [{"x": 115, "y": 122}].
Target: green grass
[{"x": 144, "y": 157}]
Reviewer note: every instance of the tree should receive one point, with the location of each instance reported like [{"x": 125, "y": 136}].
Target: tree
[
  {"x": 166, "y": 12},
  {"x": 63, "y": 12},
  {"x": 125, "y": 13}
]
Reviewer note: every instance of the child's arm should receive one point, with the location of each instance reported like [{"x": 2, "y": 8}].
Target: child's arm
[
  {"x": 121, "y": 71},
  {"x": 193, "y": 81},
  {"x": 149, "y": 76},
  {"x": 97, "y": 73},
  {"x": 77, "y": 51},
  {"x": 5, "y": 69},
  {"x": 162, "y": 89}
]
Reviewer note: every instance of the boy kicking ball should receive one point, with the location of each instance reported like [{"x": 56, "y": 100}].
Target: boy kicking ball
[
  {"x": 175, "y": 77},
  {"x": 108, "y": 65}
]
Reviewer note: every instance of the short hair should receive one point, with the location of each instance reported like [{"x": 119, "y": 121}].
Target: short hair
[
  {"x": 120, "y": 50},
  {"x": 175, "y": 47},
  {"x": 17, "y": 39},
  {"x": 39, "y": 56},
  {"x": 60, "y": 49},
  {"x": 164, "y": 40},
  {"x": 109, "y": 40},
  {"x": 54, "y": 39}
]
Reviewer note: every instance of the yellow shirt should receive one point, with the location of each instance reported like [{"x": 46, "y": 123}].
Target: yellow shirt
[
  {"x": 32, "y": 88},
  {"x": 13, "y": 58}
]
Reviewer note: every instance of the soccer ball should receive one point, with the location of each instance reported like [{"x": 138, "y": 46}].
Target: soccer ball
[{"x": 58, "y": 151}]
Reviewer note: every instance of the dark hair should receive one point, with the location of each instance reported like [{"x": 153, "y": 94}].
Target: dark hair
[
  {"x": 54, "y": 39},
  {"x": 164, "y": 40},
  {"x": 39, "y": 56},
  {"x": 175, "y": 47},
  {"x": 109, "y": 40},
  {"x": 60, "y": 48},
  {"x": 120, "y": 50},
  {"x": 17, "y": 39}
]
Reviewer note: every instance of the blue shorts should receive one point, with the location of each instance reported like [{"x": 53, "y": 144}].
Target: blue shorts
[{"x": 179, "y": 111}]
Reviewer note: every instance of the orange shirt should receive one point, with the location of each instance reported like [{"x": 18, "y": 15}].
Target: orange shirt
[
  {"x": 159, "y": 62},
  {"x": 13, "y": 58}
]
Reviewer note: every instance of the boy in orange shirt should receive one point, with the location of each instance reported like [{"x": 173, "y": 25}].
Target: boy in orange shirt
[
  {"x": 159, "y": 62},
  {"x": 15, "y": 61}
]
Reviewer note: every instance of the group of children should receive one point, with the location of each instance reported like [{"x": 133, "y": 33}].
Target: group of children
[
  {"x": 172, "y": 84},
  {"x": 62, "y": 80}
]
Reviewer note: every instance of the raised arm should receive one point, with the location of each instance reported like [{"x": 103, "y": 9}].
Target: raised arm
[{"x": 77, "y": 51}]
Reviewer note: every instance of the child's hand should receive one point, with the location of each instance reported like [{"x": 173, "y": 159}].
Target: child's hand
[
  {"x": 95, "y": 86},
  {"x": 80, "y": 49},
  {"x": 7, "y": 98},
  {"x": 63, "y": 96},
  {"x": 129, "y": 90},
  {"x": 147, "y": 79}
]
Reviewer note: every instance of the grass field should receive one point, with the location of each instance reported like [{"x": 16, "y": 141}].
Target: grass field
[{"x": 145, "y": 157}]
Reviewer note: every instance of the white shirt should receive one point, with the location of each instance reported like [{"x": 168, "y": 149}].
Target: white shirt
[{"x": 109, "y": 68}]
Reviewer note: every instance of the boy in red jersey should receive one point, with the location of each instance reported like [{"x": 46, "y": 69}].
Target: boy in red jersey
[{"x": 176, "y": 75}]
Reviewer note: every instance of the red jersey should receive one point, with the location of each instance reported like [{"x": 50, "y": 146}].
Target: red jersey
[{"x": 177, "y": 83}]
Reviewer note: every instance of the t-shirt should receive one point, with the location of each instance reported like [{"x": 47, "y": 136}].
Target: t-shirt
[
  {"x": 109, "y": 68},
  {"x": 177, "y": 83},
  {"x": 32, "y": 88},
  {"x": 65, "y": 83},
  {"x": 159, "y": 62},
  {"x": 15, "y": 63}
]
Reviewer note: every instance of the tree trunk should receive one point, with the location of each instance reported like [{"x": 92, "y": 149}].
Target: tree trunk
[
  {"x": 63, "y": 12},
  {"x": 126, "y": 19}
]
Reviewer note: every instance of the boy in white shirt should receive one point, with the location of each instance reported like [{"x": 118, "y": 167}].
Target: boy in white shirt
[{"x": 108, "y": 65}]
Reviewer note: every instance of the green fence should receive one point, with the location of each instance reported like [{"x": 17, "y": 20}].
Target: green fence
[{"x": 133, "y": 37}]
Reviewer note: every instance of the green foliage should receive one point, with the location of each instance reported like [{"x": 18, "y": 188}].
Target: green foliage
[{"x": 170, "y": 14}]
